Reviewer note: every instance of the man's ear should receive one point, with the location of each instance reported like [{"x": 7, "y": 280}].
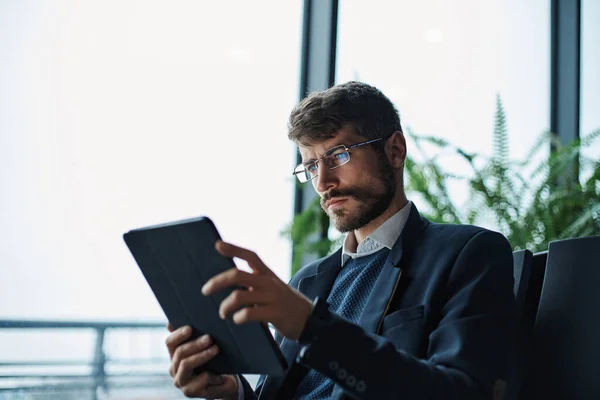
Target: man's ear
[{"x": 395, "y": 148}]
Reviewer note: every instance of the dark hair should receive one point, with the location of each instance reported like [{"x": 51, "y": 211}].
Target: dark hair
[{"x": 362, "y": 107}]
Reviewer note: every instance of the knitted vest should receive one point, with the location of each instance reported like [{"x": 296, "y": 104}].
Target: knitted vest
[{"x": 347, "y": 298}]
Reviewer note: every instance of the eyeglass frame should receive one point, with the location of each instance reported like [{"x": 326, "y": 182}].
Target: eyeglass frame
[{"x": 325, "y": 155}]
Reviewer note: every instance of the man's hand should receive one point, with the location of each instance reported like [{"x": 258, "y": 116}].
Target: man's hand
[
  {"x": 267, "y": 298},
  {"x": 187, "y": 356}
]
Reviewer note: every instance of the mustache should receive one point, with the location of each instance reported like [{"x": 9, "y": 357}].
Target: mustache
[{"x": 337, "y": 193}]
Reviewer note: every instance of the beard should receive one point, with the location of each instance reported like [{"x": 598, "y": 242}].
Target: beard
[{"x": 373, "y": 199}]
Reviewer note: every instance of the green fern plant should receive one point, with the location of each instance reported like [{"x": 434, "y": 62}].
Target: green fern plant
[{"x": 531, "y": 202}]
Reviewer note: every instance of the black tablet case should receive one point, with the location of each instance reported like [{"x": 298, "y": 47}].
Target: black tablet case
[{"x": 176, "y": 259}]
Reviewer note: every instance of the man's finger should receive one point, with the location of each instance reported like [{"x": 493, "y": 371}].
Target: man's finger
[
  {"x": 254, "y": 262},
  {"x": 176, "y": 338},
  {"x": 186, "y": 350},
  {"x": 247, "y": 314},
  {"x": 187, "y": 366},
  {"x": 231, "y": 277},
  {"x": 243, "y": 298}
]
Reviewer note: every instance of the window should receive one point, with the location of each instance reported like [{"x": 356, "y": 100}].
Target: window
[
  {"x": 121, "y": 114},
  {"x": 590, "y": 80},
  {"x": 444, "y": 62}
]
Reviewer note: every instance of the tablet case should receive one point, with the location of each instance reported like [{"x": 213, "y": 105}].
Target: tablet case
[{"x": 176, "y": 259}]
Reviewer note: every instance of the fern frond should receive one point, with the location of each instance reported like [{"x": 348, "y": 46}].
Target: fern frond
[{"x": 500, "y": 136}]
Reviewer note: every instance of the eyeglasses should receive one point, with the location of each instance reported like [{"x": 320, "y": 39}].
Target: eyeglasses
[{"x": 333, "y": 158}]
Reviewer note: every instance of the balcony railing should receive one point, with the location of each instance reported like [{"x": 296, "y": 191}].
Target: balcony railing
[{"x": 99, "y": 376}]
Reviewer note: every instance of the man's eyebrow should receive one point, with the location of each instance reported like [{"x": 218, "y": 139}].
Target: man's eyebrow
[
  {"x": 332, "y": 147},
  {"x": 307, "y": 161}
]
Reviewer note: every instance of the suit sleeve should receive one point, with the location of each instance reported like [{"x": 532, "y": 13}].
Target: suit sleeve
[{"x": 467, "y": 350}]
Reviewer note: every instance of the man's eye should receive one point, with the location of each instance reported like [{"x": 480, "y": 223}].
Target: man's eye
[
  {"x": 312, "y": 168},
  {"x": 340, "y": 157}
]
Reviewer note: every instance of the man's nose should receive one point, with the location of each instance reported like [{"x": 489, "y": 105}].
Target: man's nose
[{"x": 326, "y": 179}]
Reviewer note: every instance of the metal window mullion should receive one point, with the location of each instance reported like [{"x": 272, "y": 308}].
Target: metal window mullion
[
  {"x": 319, "y": 38},
  {"x": 565, "y": 69}
]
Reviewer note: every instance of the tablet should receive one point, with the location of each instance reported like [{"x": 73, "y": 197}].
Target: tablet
[{"x": 177, "y": 259}]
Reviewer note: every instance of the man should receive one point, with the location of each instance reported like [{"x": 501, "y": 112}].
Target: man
[{"x": 406, "y": 309}]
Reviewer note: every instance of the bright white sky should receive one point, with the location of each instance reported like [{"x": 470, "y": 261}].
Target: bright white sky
[{"x": 121, "y": 114}]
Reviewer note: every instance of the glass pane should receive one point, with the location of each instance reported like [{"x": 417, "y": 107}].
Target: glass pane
[
  {"x": 121, "y": 114},
  {"x": 444, "y": 63},
  {"x": 590, "y": 78}
]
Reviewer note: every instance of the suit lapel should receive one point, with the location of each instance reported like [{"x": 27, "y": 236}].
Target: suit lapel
[
  {"x": 320, "y": 284},
  {"x": 382, "y": 291},
  {"x": 388, "y": 280}
]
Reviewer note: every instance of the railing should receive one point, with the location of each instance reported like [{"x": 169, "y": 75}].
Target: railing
[{"x": 91, "y": 376}]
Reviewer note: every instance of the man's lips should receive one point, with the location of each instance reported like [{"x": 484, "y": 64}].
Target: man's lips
[{"x": 334, "y": 201}]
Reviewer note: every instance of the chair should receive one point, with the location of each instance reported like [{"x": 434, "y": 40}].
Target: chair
[
  {"x": 522, "y": 262},
  {"x": 533, "y": 292},
  {"x": 565, "y": 348}
]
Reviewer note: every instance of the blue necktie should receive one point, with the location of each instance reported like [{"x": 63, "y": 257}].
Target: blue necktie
[{"x": 347, "y": 298}]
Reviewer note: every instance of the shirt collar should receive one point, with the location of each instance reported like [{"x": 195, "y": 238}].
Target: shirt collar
[{"x": 385, "y": 235}]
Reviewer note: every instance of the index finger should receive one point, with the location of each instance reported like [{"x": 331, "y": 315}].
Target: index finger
[{"x": 253, "y": 260}]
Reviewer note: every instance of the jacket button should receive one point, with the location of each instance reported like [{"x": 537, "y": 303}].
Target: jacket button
[
  {"x": 361, "y": 386},
  {"x": 350, "y": 381},
  {"x": 341, "y": 374},
  {"x": 334, "y": 366}
]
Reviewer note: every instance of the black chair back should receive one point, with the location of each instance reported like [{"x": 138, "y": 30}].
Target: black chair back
[
  {"x": 565, "y": 342},
  {"x": 522, "y": 261},
  {"x": 522, "y": 272},
  {"x": 533, "y": 292}
]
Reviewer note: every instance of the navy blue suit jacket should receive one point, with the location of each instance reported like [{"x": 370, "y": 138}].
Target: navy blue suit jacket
[{"x": 438, "y": 323}]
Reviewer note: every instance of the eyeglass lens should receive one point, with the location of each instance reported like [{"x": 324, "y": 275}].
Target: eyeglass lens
[{"x": 333, "y": 158}]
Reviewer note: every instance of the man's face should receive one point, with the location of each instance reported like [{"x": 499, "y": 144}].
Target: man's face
[{"x": 357, "y": 192}]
